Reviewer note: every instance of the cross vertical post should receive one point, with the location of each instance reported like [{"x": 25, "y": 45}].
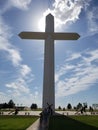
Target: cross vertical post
[
  {"x": 48, "y": 80},
  {"x": 49, "y": 36}
]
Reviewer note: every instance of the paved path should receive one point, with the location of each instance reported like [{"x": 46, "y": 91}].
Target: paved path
[
  {"x": 37, "y": 113},
  {"x": 38, "y": 126}
]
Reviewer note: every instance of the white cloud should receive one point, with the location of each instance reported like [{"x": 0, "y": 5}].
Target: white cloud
[
  {"x": 93, "y": 56},
  {"x": 82, "y": 74},
  {"x": 74, "y": 56},
  {"x": 5, "y": 45},
  {"x": 14, "y": 55},
  {"x": 3, "y": 97},
  {"x": 21, "y": 97},
  {"x": 62, "y": 70},
  {"x": 4, "y": 29},
  {"x": 92, "y": 19},
  {"x": 66, "y": 11},
  {"x": 21, "y": 4},
  {"x": 25, "y": 70},
  {"x": 19, "y": 86}
]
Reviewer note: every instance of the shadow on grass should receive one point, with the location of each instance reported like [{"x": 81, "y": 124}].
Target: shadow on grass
[{"x": 67, "y": 123}]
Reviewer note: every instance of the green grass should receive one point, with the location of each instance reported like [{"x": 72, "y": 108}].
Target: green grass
[
  {"x": 90, "y": 120},
  {"x": 73, "y": 123},
  {"x": 16, "y": 122}
]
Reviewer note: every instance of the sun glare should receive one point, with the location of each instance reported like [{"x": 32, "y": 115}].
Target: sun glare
[{"x": 41, "y": 24}]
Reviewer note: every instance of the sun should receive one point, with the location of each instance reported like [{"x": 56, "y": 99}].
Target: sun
[{"x": 41, "y": 24}]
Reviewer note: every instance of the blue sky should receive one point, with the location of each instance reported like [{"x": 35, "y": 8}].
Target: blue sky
[{"x": 21, "y": 61}]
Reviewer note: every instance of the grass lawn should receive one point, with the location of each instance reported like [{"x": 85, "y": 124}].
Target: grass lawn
[
  {"x": 90, "y": 120},
  {"x": 73, "y": 123},
  {"x": 16, "y": 122}
]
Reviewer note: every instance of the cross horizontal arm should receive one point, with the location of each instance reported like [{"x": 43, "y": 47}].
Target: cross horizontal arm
[
  {"x": 65, "y": 36},
  {"x": 32, "y": 35},
  {"x": 44, "y": 35}
]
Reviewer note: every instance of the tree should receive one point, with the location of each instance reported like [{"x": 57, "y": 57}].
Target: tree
[
  {"x": 34, "y": 106},
  {"x": 69, "y": 106},
  {"x": 74, "y": 108},
  {"x": 90, "y": 109},
  {"x": 59, "y": 108},
  {"x": 85, "y": 105},
  {"x": 5, "y": 105},
  {"x": 11, "y": 104},
  {"x": 64, "y": 109},
  {"x": 79, "y": 106}
]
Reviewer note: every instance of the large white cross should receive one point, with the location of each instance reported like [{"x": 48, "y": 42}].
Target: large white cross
[{"x": 49, "y": 36}]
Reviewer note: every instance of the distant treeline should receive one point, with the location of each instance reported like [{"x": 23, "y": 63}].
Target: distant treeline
[{"x": 10, "y": 104}]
